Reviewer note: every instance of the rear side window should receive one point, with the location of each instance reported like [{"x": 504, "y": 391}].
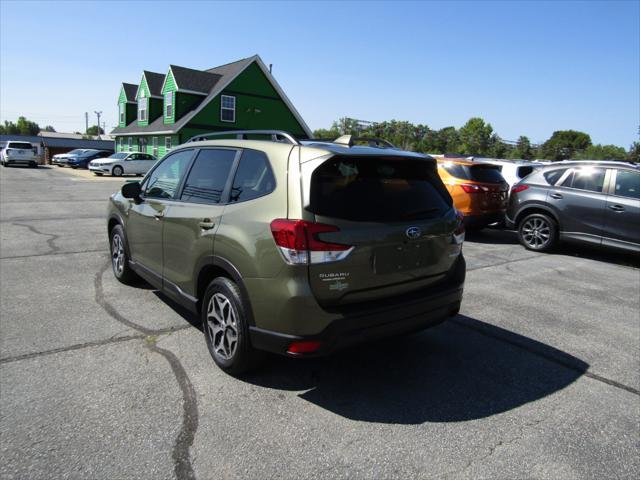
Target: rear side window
[
  {"x": 208, "y": 176},
  {"x": 553, "y": 176},
  {"x": 524, "y": 171},
  {"x": 377, "y": 190},
  {"x": 164, "y": 180},
  {"x": 628, "y": 184},
  {"x": 587, "y": 178},
  {"x": 254, "y": 177}
]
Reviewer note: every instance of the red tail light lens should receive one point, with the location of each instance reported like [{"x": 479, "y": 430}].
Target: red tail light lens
[
  {"x": 299, "y": 243},
  {"x": 519, "y": 188},
  {"x": 470, "y": 188},
  {"x": 306, "y": 346}
]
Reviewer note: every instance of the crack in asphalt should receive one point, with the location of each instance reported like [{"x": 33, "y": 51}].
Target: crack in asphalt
[
  {"x": 551, "y": 358},
  {"x": 53, "y": 248},
  {"x": 102, "y": 250},
  {"x": 181, "y": 449}
]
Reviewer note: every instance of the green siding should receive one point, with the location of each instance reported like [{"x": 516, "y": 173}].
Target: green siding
[
  {"x": 143, "y": 87},
  {"x": 155, "y": 108},
  {"x": 169, "y": 83},
  {"x": 122, "y": 98},
  {"x": 258, "y": 106},
  {"x": 185, "y": 102}
]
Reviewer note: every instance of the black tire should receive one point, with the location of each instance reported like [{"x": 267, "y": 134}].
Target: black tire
[
  {"x": 120, "y": 258},
  {"x": 538, "y": 232},
  {"x": 97, "y": 174},
  {"x": 34, "y": 165},
  {"x": 117, "y": 171},
  {"x": 243, "y": 357}
]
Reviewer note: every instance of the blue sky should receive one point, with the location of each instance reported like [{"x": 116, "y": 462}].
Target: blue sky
[{"x": 528, "y": 68}]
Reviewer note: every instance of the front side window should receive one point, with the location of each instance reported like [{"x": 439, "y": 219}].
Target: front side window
[
  {"x": 142, "y": 107},
  {"x": 227, "y": 108},
  {"x": 168, "y": 104},
  {"x": 254, "y": 177},
  {"x": 586, "y": 178},
  {"x": 122, "y": 112},
  {"x": 164, "y": 180},
  {"x": 167, "y": 143},
  {"x": 208, "y": 176},
  {"x": 627, "y": 184}
]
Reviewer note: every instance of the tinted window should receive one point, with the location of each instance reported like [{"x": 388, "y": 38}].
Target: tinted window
[
  {"x": 628, "y": 184},
  {"x": 163, "y": 181},
  {"x": 254, "y": 177},
  {"x": 208, "y": 176},
  {"x": 478, "y": 173},
  {"x": 20, "y": 145},
  {"x": 119, "y": 156},
  {"x": 524, "y": 171},
  {"x": 374, "y": 189},
  {"x": 586, "y": 178},
  {"x": 553, "y": 176}
]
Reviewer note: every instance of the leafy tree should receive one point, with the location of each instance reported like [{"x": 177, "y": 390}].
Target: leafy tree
[
  {"x": 634, "y": 152},
  {"x": 447, "y": 140},
  {"x": 49, "y": 128},
  {"x": 564, "y": 144},
  {"x": 602, "y": 152},
  {"x": 94, "y": 130},
  {"x": 21, "y": 127},
  {"x": 324, "y": 133},
  {"x": 475, "y": 137}
]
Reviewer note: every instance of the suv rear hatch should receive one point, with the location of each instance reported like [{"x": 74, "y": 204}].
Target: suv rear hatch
[
  {"x": 392, "y": 217},
  {"x": 19, "y": 151},
  {"x": 487, "y": 185}
]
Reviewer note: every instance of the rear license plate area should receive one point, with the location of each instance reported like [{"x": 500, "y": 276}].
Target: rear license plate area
[{"x": 400, "y": 258}]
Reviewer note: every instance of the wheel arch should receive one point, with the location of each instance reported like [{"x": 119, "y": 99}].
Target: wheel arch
[
  {"x": 536, "y": 208},
  {"x": 212, "y": 267}
]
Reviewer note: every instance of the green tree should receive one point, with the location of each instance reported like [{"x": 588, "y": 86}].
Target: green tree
[
  {"x": 94, "y": 129},
  {"x": 49, "y": 128},
  {"x": 21, "y": 127},
  {"x": 326, "y": 133},
  {"x": 602, "y": 152},
  {"x": 447, "y": 140},
  {"x": 564, "y": 144},
  {"x": 475, "y": 137},
  {"x": 634, "y": 152}
]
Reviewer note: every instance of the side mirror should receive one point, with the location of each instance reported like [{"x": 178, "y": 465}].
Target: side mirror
[{"x": 132, "y": 190}]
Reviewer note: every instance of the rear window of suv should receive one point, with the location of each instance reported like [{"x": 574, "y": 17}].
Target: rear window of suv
[
  {"x": 476, "y": 173},
  {"x": 377, "y": 190},
  {"x": 20, "y": 145}
]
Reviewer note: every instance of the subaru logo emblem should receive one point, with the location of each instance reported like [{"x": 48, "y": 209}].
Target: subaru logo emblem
[{"x": 413, "y": 232}]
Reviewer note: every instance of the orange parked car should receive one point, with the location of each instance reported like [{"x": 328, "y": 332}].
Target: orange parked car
[{"x": 478, "y": 190}]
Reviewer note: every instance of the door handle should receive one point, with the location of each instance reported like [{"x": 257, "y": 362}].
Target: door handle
[
  {"x": 159, "y": 215},
  {"x": 617, "y": 208},
  {"x": 207, "y": 224},
  {"x": 557, "y": 196}
]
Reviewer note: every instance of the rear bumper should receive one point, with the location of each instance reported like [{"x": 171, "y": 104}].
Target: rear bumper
[
  {"x": 414, "y": 312},
  {"x": 21, "y": 161}
]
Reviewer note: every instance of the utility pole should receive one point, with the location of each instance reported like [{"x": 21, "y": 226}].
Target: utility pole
[
  {"x": 98, "y": 124},
  {"x": 86, "y": 122},
  {"x": 104, "y": 127}
]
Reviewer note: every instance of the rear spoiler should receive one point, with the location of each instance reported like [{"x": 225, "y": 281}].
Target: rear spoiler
[{"x": 349, "y": 141}]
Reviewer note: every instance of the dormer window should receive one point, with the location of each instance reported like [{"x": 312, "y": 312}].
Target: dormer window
[
  {"x": 168, "y": 104},
  {"x": 122, "y": 113},
  {"x": 142, "y": 107}
]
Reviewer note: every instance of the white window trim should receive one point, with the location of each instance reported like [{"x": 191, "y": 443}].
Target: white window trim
[
  {"x": 222, "y": 97},
  {"x": 155, "y": 146},
  {"x": 142, "y": 101},
  {"x": 170, "y": 95},
  {"x": 130, "y": 143},
  {"x": 168, "y": 143}
]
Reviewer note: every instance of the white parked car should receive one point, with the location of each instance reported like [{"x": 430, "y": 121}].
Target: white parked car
[
  {"x": 18, "y": 153},
  {"x": 123, "y": 163},
  {"x": 512, "y": 171}
]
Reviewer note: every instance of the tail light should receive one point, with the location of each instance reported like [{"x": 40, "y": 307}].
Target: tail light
[
  {"x": 299, "y": 244},
  {"x": 458, "y": 233},
  {"x": 305, "y": 346},
  {"x": 519, "y": 188},
  {"x": 469, "y": 188}
]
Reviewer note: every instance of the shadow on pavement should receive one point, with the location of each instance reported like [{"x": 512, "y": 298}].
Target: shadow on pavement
[{"x": 462, "y": 370}]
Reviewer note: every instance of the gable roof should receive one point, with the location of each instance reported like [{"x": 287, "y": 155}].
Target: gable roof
[
  {"x": 194, "y": 80},
  {"x": 154, "y": 82},
  {"x": 130, "y": 91},
  {"x": 227, "y": 73}
]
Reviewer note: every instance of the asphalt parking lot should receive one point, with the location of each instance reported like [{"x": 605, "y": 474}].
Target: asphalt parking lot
[{"x": 538, "y": 377}]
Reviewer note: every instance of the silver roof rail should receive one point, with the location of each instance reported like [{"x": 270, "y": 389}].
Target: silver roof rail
[
  {"x": 349, "y": 140},
  {"x": 240, "y": 135}
]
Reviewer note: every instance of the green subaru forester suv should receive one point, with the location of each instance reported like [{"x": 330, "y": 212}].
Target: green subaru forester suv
[{"x": 293, "y": 247}]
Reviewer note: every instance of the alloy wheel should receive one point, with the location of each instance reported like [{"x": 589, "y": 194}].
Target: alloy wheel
[
  {"x": 117, "y": 254},
  {"x": 536, "y": 233},
  {"x": 222, "y": 326}
]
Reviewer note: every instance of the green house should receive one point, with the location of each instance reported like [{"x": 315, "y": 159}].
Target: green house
[{"x": 165, "y": 110}]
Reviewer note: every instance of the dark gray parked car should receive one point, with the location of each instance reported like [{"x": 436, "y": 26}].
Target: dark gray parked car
[{"x": 592, "y": 202}]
